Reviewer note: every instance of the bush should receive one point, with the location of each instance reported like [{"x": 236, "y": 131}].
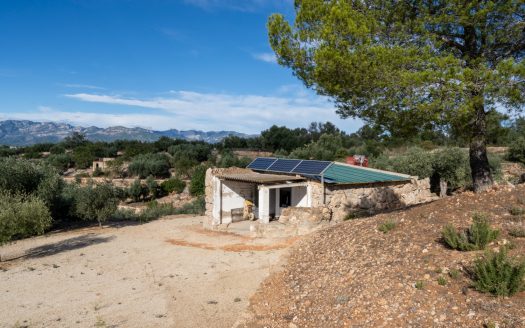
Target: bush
[
  {"x": 195, "y": 151},
  {"x": 95, "y": 202},
  {"x": 478, "y": 236},
  {"x": 98, "y": 172},
  {"x": 145, "y": 165},
  {"x": 415, "y": 162},
  {"x": 156, "y": 210},
  {"x": 197, "y": 183},
  {"x": 329, "y": 147},
  {"x": 452, "y": 165},
  {"x": 517, "y": 232},
  {"x": 18, "y": 176},
  {"x": 386, "y": 226},
  {"x": 173, "y": 185},
  {"x": 61, "y": 162},
  {"x": 498, "y": 274},
  {"x": 137, "y": 191},
  {"x": 517, "y": 211},
  {"x": 516, "y": 151},
  {"x": 197, "y": 207},
  {"x": 22, "y": 216},
  {"x": 153, "y": 187}
]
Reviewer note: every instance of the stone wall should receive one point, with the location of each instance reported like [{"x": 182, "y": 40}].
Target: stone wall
[
  {"x": 305, "y": 215},
  {"x": 343, "y": 200}
]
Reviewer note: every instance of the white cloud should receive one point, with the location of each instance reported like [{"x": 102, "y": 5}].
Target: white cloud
[
  {"x": 239, "y": 5},
  {"x": 46, "y": 114},
  {"x": 81, "y": 86},
  {"x": 267, "y": 57},
  {"x": 293, "y": 107}
]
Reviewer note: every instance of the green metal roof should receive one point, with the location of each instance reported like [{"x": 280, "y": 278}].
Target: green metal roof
[{"x": 349, "y": 174}]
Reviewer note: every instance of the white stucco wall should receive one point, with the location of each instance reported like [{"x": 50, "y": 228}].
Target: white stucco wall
[
  {"x": 300, "y": 197},
  {"x": 233, "y": 196}
]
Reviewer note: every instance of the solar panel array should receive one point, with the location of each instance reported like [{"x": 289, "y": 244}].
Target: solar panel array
[{"x": 292, "y": 166}]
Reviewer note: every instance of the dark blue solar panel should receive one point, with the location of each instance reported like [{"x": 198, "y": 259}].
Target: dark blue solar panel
[
  {"x": 311, "y": 167},
  {"x": 284, "y": 165},
  {"x": 261, "y": 163}
]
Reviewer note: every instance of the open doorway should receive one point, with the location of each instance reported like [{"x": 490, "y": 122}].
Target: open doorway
[{"x": 285, "y": 197}]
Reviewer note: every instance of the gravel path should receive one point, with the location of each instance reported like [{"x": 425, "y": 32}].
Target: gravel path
[{"x": 134, "y": 276}]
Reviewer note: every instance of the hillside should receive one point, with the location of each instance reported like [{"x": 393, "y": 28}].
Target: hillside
[
  {"x": 352, "y": 275},
  {"x": 23, "y": 133}
]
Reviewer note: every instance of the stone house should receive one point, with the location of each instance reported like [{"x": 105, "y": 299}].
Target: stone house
[
  {"x": 102, "y": 163},
  {"x": 271, "y": 188}
]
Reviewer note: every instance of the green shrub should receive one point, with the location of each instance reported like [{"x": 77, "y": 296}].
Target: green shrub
[
  {"x": 173, "y": 185},
  {"x": 516, "y": 151},
  {"x": 441, "y": 281},
  {"x": 61, "y": 162},
  {"x": 145, "y": 165},
  {"x": 137, "y": 190},
  {"x": 198, "y": 180},
  {"x": 419, "y": 285},
  {"x": 329, "y": 147},
  {"x": 517, "y": 232},
  {"x": 98, "y": 172},
  {"x": 18, "y": 176},
  {"x": 454, "y": 273},
  {"x": 197, "y": 207},
  {"x": 452, "y": 165},
  {"x": 499, "y": 274},
  {"x": 94, "y": 202},
  {"x": 477, "y": 236},
  {"x": 154, "y": 190},
  {"x": 517, "y": 211},
  {"x": 155, "y": 210},
  {"x": 386, "y": 226},
  {"x": 416, "y": 162},
  {"x": 22, "y": 216}
]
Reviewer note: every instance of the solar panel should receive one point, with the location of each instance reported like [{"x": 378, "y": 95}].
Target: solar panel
[
  {"x": 293, "y": 166},
  {"x": 311, "y": 167},
  {"x": 284, "y": 165},
  {"x": 261, "y": 163}
]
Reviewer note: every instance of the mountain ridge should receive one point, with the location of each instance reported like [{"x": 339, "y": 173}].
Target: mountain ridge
[{"x": 26, "y": 132}]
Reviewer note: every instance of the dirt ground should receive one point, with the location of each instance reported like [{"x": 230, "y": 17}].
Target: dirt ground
[
  {"x": 167, "y": 273},
  {"x": 353, "y": 275}
]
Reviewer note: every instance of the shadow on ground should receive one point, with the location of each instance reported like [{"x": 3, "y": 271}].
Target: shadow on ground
[{"x": 68, "y": 245}]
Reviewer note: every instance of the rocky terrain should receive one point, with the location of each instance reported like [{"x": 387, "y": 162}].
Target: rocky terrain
[
  {"x": 22, "y": 133},
  {"x": 353, "y": 275}
]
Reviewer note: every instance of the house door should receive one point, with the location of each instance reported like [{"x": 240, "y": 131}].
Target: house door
[{"x": 285, "y": 197}]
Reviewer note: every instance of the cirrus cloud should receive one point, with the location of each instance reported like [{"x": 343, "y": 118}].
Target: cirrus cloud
[{"x": 291, "y": 106}]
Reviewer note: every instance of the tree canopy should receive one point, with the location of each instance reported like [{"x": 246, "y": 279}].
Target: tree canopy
[{"x": 410, "y": 66}]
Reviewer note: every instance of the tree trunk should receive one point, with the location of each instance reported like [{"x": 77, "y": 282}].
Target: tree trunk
[
  {"x": 442, "y": 188},
  {"x": 479, "y": 162}
]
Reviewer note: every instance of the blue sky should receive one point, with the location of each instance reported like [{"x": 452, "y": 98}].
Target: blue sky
[{"x": 159, "y": 64}]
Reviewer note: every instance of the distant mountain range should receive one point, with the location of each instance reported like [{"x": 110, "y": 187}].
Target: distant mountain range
[{"x": 23, "y": 133}]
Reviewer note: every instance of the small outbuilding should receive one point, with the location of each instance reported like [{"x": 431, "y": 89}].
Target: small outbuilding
[
  {"x": 101, "y": 164},
  {"x": 269, "y": 188}
]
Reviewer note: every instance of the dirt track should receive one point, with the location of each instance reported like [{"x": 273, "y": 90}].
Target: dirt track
[{"x": 151, "y": 275}]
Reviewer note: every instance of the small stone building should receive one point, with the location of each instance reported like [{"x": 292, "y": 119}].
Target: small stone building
[
  {"x": 271, "y": 188},
  {"x": 102, "y": 163}
]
